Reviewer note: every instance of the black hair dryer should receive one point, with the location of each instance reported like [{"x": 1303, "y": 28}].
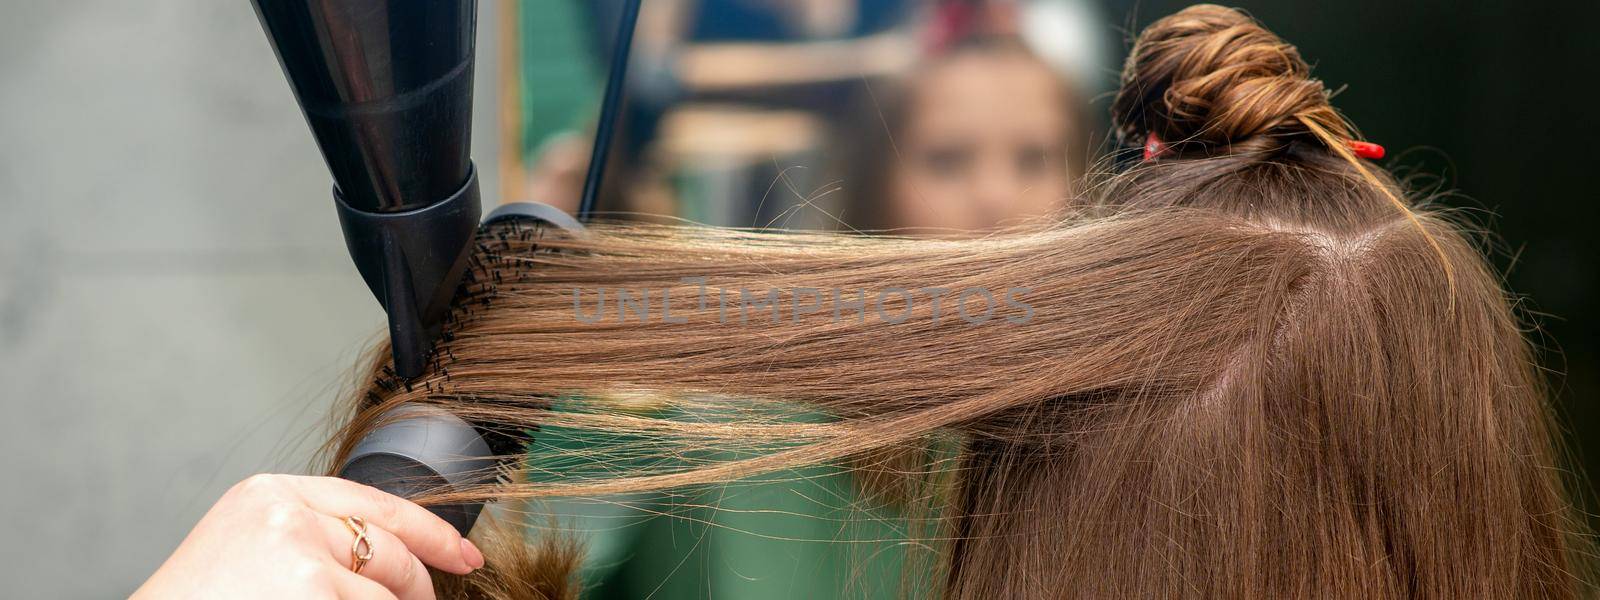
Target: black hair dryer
[{"x": 386, "y": 86}]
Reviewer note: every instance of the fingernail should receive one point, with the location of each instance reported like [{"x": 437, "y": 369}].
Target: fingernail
[{"x": 471, "y": 554}]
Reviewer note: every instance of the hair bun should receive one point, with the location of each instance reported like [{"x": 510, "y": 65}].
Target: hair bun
[{"x": 1213, "y": 76}]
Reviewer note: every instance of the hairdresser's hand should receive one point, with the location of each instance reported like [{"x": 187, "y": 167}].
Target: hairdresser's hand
[{"x": 283, "y": 536}]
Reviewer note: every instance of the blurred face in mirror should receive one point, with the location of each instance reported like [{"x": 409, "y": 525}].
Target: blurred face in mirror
[{"x": 984, "y": 142}]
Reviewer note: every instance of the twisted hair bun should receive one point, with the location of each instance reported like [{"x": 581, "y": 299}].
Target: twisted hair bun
[{"x": 1213, "y": 80}]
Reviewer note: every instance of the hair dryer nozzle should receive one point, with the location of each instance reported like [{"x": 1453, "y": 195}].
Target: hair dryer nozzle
[{"x": 386, "y": 86}]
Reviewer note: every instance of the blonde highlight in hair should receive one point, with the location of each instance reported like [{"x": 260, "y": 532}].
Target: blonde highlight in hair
[{"x": 1240, "y": 371}]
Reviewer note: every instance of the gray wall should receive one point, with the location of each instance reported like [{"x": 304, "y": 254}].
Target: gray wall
[{"x": 177, "y": 310}]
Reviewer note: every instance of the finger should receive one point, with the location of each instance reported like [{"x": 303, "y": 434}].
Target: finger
[
  {"x": 350, "y": 586},
  {"x": 392, "y": 565},
  {"x": 427, "y": 536}
]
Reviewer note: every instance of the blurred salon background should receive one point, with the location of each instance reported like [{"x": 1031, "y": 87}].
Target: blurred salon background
[{"x": 177, "y": 309}]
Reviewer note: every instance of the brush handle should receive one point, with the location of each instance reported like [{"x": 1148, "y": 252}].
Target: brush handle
[{"x": 423, "y": 450}]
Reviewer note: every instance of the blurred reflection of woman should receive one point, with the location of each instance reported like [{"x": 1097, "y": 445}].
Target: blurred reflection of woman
[{"x": 983, "y": 134}]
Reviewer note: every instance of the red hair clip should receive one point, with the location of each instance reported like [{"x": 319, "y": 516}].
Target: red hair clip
[
  {"x": 1367, "y": 150},
  {"x": 1153, "y": 148}
]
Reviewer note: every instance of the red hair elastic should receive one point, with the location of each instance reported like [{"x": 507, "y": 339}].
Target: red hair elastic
[
  {"x": 1366, "y": 150},
  {"x": 1153, "y": 147}
]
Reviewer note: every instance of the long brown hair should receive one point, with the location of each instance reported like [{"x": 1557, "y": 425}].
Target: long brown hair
[{"x": 1251, "y": 367}]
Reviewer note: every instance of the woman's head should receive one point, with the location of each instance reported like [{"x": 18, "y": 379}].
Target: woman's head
[
  {"x": 982, "y": 135},
  {"x": 1250, "y": 368}
]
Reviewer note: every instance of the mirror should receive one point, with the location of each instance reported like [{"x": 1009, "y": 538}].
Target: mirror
[{"x": 818, "y": 114}]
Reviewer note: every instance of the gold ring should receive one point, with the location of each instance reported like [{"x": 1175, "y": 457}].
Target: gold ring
[{"x": 361, "y": 548}]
